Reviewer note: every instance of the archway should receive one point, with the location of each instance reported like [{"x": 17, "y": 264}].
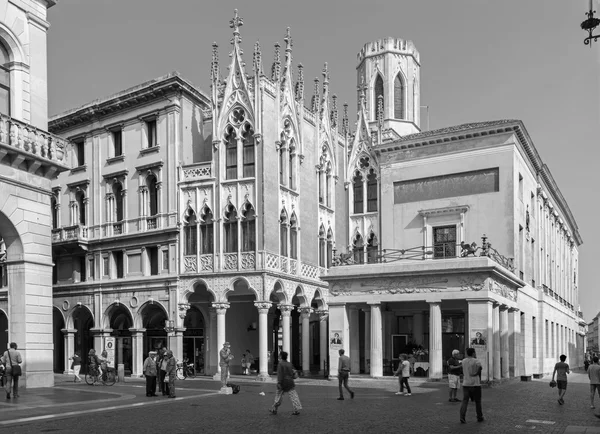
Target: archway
[
  {"x": 275, "y": 345},
  {"x": 153, "y": 320},
  {"x": 58, "y": 339},
  {"x": 298, "y": 301},
  {"x": 242, "y": 323},
  {"x": 120, "y": 323},
  {"x": 198, "y": 329},
  {"x": 84, "y": 341},
  {"x": 3, "y": 330}
]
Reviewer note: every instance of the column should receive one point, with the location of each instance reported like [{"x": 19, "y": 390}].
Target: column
[
  {"x": 69, "y": 337},
  {"x": 211, "y": 343},
  {"x": 137, "y": 347},
  {"x": 418, "y": 328},
  {"x": 513, "y": 342},
  {"x": 435, "y": 340},
  {"x": 323, "y": 340},
  {"x": 496, "y": 344},
  {"x": 338, "y": 323},
  {"x": 285, "y": 310},
  {"x": 177, "y": 343},
  {"x": 221, "y": 309},
  {"x": 305, "y": 316},
  {"x": 354, "y": 340},
  {"x": 504, "y": 341},
  {"x": 376, "y": 341},
  {"x": 263, "y": 336},
  {"x": 367, "y": 340}
]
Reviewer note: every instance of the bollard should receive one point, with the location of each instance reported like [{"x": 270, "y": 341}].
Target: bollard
[{"x": 121, "y": 373}]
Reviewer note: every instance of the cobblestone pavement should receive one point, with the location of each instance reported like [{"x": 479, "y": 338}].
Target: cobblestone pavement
[{"x": 511, "y": 407}]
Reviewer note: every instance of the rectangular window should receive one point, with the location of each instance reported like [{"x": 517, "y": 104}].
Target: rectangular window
[
  {"x": 206, "y": 232},
  {"x": 293, "y": 244},
  {"x": 533, "y": 337},
  {"x": 248, "y": 157},
  {"x": 91, "y": 268},
  {"x": 248, "y": 236},
  {"x": 371, "y": 193},
  {"x": 117, "y": 137},
  {"x": 230, "y": 237},
  {"x": 4, "y": 91},
  {"x": 321, "y": 252},
  {"x": 80, "y": 153},
  {"x": 520, "y": 252},
  {"x": 82, "y": 269},
  {"x": 165, "y": 261},
  {"x": 191, "y": 235},
  {"x": 358, "y": 196},
  {"x": 119, "y": 264},
  {"x": 283, "y": 251},
  {"x": 329, "y": 254},
  {"x": 153, "y": 258},
  {"x": 151, "y": 131},
  {"x": 444, "y": 242},
  {"x": 520, "y": 187},
  {"x": 547, "y": 339},
  {"x": 106, "y": 266},
  {"x": 231, "y": 160}
]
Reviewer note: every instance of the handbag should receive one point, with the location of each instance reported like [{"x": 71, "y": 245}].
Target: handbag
[
  {"x": 552, "y": 383},
  {"x": 16, "y": 369}
]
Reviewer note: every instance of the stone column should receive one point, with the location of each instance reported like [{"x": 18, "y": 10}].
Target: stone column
[
  {"x": 417, "y": 331},
  {"x": 323, "y": 340},
  {"x": 376, "y": 341},
  {"x": 221, "y": 309},
  {"x": 211, "y": 344},
  {"x": 137, "y": 347},
  {"x": 354, "y": 340},
  {"x": 177, "y": 345},
  {"x": 305, "y": 316},
  {"x": 496, "y": 344},
  {"x": 69, "y": 337},
  {"x": 367, "y": 340},
  {"x": 435, "y": 340},
  {"x": 504, "y": 341},
  {"x": 263, "y": 337},
  {"x": 285, "y": 310},
  {"x": 338, "y": 323},
  {"x": 513, "y": 342}
]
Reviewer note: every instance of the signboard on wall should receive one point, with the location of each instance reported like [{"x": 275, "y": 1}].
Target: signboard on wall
[{"x": 109, "y": 346}]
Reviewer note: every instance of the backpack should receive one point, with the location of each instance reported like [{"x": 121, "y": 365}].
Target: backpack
[{"x": 234, "y": 388}]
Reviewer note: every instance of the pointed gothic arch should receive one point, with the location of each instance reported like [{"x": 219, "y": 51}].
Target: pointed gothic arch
[
  {"x": 248, "y": 221},
  {"x": 206, "y": 224},
  {"x": 190, "y": 231},
  {"x": 399, "y": 96},
  {"x": 230, "y": 228},
  {"x": 378, "y": 90},
  {"x": 358, "y": 248},
  {"x": 294, "y": 236}
]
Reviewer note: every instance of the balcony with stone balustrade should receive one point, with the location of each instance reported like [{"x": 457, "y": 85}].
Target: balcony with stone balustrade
[{"x": 31, "y": 149}]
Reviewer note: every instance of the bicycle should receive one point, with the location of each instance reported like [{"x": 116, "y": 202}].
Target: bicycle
[
  {"x": 108, "y": 377},
  {"x": 185, "y": 370}
]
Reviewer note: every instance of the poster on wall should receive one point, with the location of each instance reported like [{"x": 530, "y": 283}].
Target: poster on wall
[
  {"x": 109, "y": 346},
  {"x": 478, "y": 340},
  {"x": 336, "y": 340}
]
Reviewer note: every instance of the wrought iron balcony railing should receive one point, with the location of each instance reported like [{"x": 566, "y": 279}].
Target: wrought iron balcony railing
[{"x": 422, "y": 253}]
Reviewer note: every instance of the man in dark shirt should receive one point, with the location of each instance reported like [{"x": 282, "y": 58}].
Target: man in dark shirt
[
  {"x": 343, "y": 374},
  {"x": 561, "y": 369}
]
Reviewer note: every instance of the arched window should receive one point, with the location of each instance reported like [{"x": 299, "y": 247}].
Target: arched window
[
  {"x": 249, "y": 229},
  {"x": 152, "y": 195},
  {"x": 291, "y": 161},
  {"x": 371, "y": 191},
  {"x": 328, "y": 185},
  {"x": 80, "y": 199},
  {"x": 329, "y": 247},
  {"x": 190, "y": 233},
  {"x": 4, "y": 82},
  {"x": 372, "y": 249},
  {"x": 248, "y": 154},
  {"x": 378, "y": 91},
  {"x": 282, "y": 163},
  {"x": 322, "y": 247},
  {"x": 230, "y": 229},
  {"x": 54, "y": 210},
  {"x": 357, "y": 188},
  {"x": 283, "y": 233},
  {"x": 206, "y": 231},
  {"x": 294, "y": 237},
  {"x": 231, "y": 154},
  {"x": 357, "y": 249},
  {"x": 399, "y": 92},
  {"x": 118, "y": 194}
]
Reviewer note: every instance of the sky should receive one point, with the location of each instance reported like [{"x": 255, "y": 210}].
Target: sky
[{"x": 480, "y": 60}]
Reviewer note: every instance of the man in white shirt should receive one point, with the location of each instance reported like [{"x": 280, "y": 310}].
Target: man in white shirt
[{"x": 471, "y": 385}]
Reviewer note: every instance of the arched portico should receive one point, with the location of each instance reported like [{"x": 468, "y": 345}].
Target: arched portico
[
  {"x": 78, "y": 336},
  {"x": 118, "y": 323},
  {"x": 3, "y": 329},
  {"x": 200, "y": 335},
  {"x": 148, "y": 333},
  {"x": 58, "y": 340}
]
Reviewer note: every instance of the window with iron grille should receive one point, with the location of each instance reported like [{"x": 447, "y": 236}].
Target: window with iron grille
[{"x": 444, "y": 242}]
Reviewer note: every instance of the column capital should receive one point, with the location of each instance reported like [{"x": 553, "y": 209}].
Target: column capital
[
  {"x": 263, "y": 306},
  {"x": 305, "y": 311},
  {"x": 285, "y": 309},
  {"x": 503, "y": 307},
  {"x": 68, "y": 331},
  {"x": 374, "y": 303},
  {"x": 513, "y": 309},
  {"x": 137, "y": 331},
  {"x": 101, "y": 331},
  {"x": 323, "y": 314},
  {"x": 220, "y": 308},
  {"x": 434, "y": 302}
]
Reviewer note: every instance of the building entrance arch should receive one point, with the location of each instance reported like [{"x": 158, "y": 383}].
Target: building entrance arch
[
  {"x": 154, "y": 319},
  {"x": 194, "y": 339},
  {"x": 120, "y": 323},
  {"x": 58, "y": 339},
  {"x": 242, "y": 323},
  {"x": 82, "y": 323},
  {"x": 3, "y": 329}
]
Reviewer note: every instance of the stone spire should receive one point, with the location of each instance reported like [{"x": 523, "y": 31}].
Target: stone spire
[
  {"x": 258, "y": 70},
  {"x": 288, "y": 48},
  {"x": 334, "y": 112},
  {"x": 276, "y": 69},
  {"x": 214, "y": 64},
  {"x": 235, "y": 23},
  {"x": 345, "y": 123},
  {"x": 315, "y": 97},
  {"x": 300, "y": 83},
  {"x": 325, "y": 101}
]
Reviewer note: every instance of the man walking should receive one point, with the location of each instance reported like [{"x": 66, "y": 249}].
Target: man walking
[
  {"x": 454, "y": 371},
  {"x": 343, "y": 374},
  {"x": 471, "y": 385},
  {"x": 594, "y": 376},
  {"x": 561, "y": 369}
]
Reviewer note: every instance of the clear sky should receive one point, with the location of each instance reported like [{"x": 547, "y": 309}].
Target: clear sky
[{"x": 480, "y": 60}]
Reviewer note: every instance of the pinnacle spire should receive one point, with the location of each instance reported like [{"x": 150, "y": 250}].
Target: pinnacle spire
[
  {"x": 334, "y": 112},
  {"x": 288, "y": 46},
  {"x": 258, "y": 71},
  {"x": 300, "y": 83},
  {"x": 276, "y": 69},
  {"x": 214, "y": 64},
  {"x": 325, "y": 81},
  {"x": 235, "y": 23},
  {"x": 345, "y": 123},
  {"x": 315, "y": 98}
]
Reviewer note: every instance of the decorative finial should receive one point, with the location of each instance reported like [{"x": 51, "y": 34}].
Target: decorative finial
[
  {"x": 300, "y": 83},
  {"x": 325, "y": 80},
  {"x": 276, "y": 69},
  {"x": 345, "y": 123},
  {"x": 257, "y": 60},
  {"x": 315, "y": 98},
  {"x": 288, "y": 40},
  {"x": 361, "y": 95},
  {"x": 214, "y": 64},
  {"x": 334, "y": 112},
  {"x": 235, "y": 23}
]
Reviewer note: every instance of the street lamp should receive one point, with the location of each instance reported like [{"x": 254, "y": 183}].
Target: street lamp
[
  {"x": 170, "y": 326},
  {"x": 590, "y": 25}
]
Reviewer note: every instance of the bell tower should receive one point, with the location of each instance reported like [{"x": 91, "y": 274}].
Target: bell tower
[{"x": 388, "y": 72}]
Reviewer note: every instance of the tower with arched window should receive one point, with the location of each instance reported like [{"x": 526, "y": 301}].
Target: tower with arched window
[{"x": 388, "y": 73}]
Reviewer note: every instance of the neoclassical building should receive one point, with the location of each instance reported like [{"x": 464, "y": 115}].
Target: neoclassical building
[
  {"x": 30, "y": 157},
  {"x": 471, "y": 242}
]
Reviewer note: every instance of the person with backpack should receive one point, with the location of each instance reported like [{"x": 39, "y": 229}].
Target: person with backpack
[
  {"x": 12, "y": 361},
  {"x": 285, "y": 383}
]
